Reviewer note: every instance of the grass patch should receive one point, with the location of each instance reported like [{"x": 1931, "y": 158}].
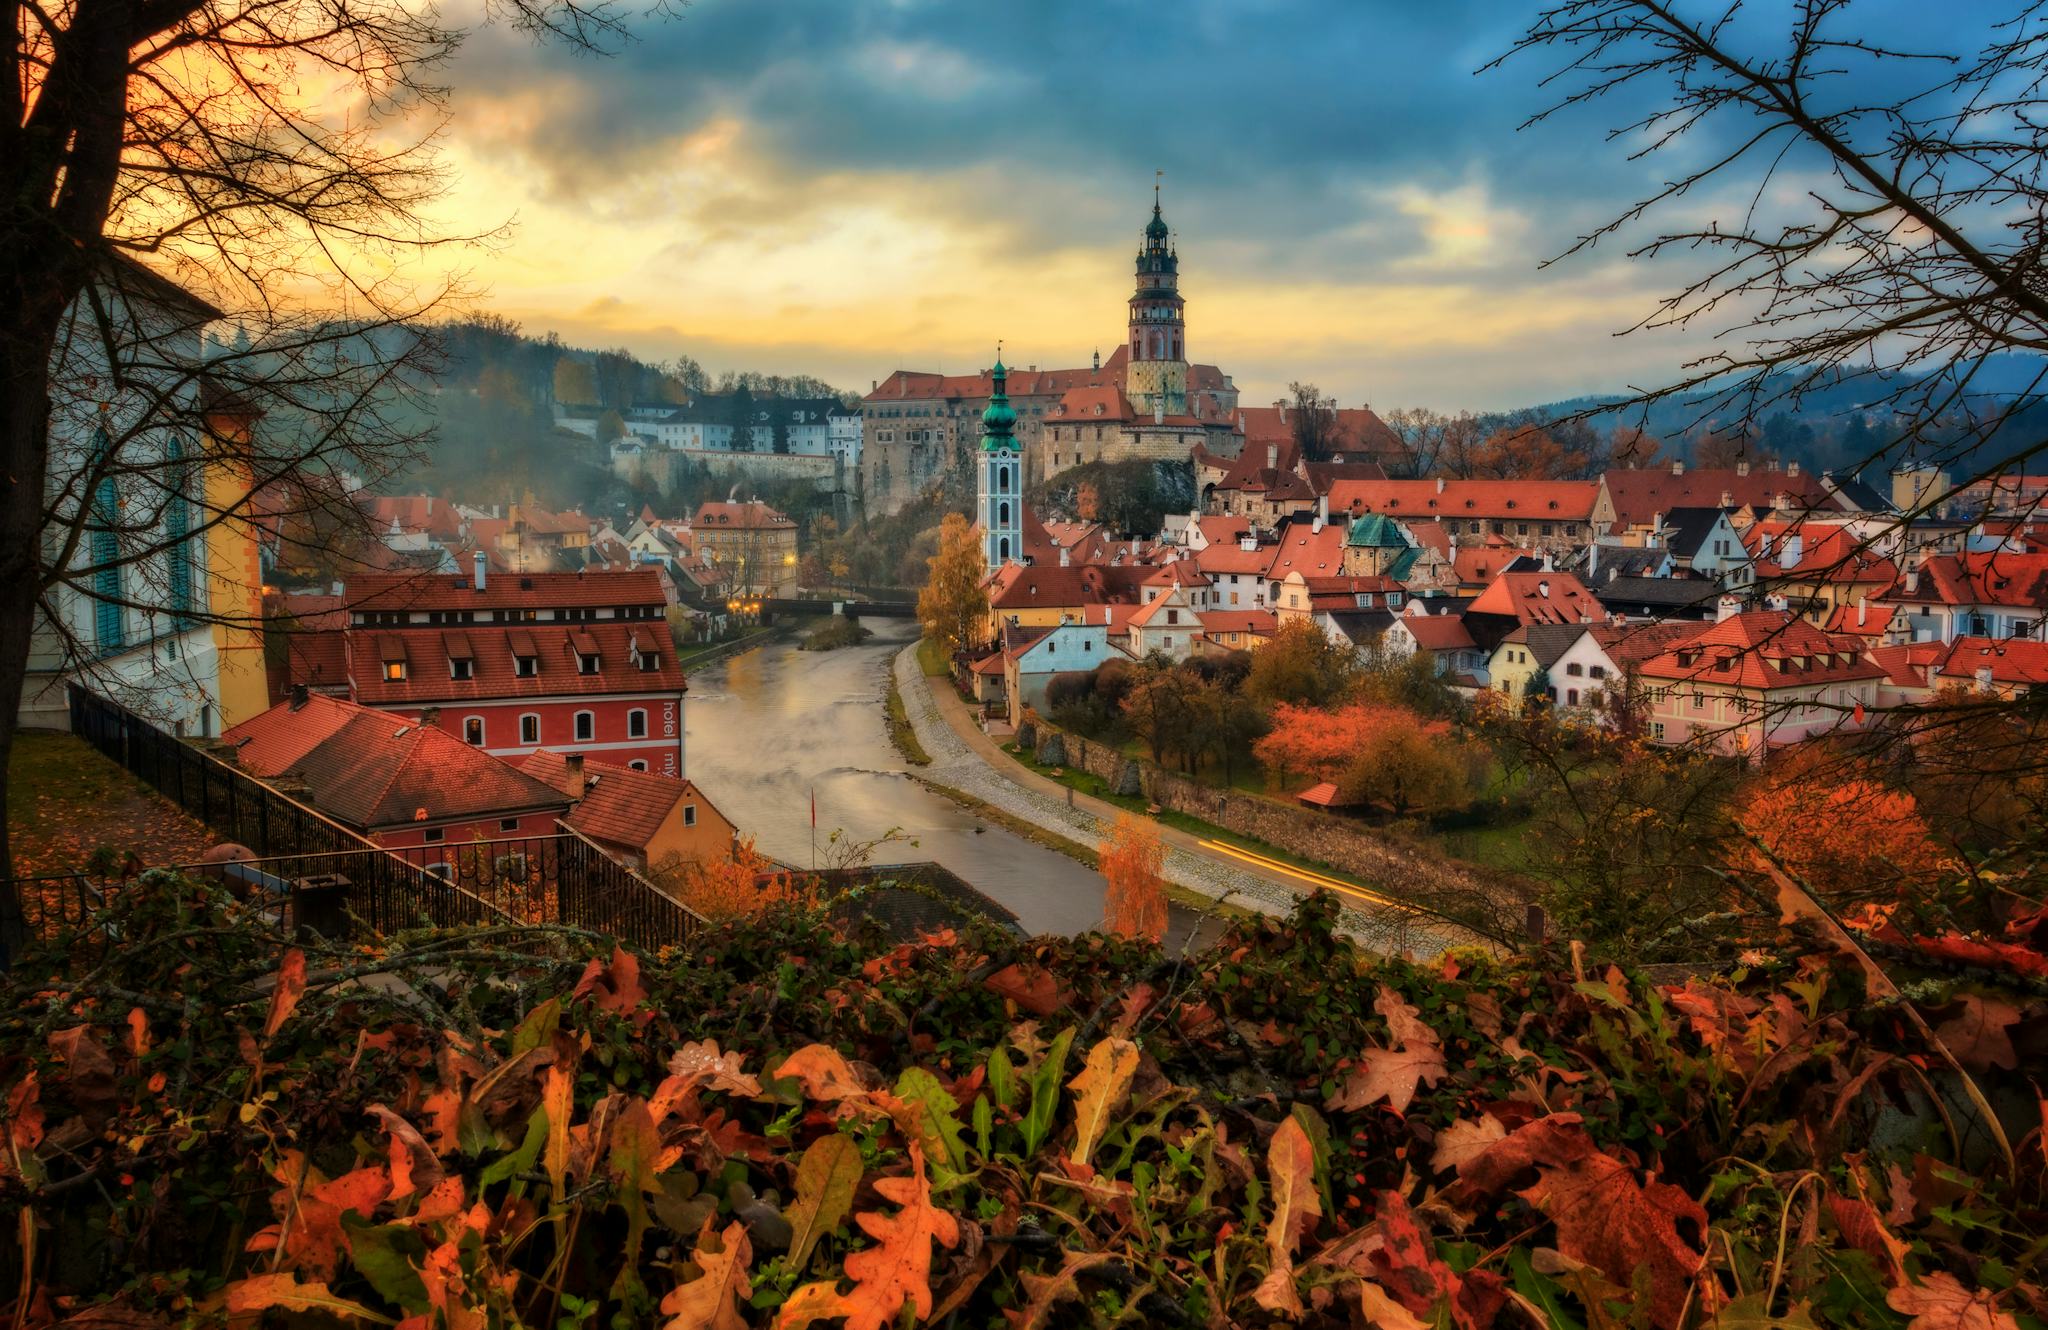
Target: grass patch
[
  {"x": 65, "y": 801},
  {"x": 931, "y": 658},
  {"x": 901, "y": 732},
  {"x": 837, "y": 631},
  {"x": 1085, "y": 782}
]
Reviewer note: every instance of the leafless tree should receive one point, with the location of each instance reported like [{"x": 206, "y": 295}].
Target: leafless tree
[
  {"x": 1839, "y": 210},
  {"x": 1313, "y": 419},
  {"x": 272, "y": 158}
]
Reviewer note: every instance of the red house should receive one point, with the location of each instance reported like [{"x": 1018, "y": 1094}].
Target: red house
[
  {"x": 400, "y": 783},
  {"x": 512, "y": 662}
]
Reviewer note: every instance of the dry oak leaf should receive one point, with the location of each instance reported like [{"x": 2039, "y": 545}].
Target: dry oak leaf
[
  {"x": 309, "y": 1209},
  {"x": 1609, "y": 1220},
  {"x": 1032, "y": 987},
  {"x": 1862, "y": 1229},
  {"x": 711, "y": 1301},
  {"x": 1466, "y": 1140},
  {"x": 615, "y": 987},
  {"x": 1979, "y": 1034},
  {"x": 702, "y": 1064},
  {"x": 1043, "y": 1292},
  {"x": 1410, "y": 1271},
  {"x": 261, "y": 1292},
  {"x": 1291, "y": 1173},
  {"x": 285, "y": 995},
  {"x": 823, "y": 1073},
  {"x": 1940, "y": 1302},
  {"x": 1393, "y": 1074},
  {"x": 1099, "y": 1089},
  {"x": 1383, "y": 1312},
  {"x": 894, "y": 1272}
]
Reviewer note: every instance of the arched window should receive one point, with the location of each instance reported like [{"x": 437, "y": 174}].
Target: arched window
[
  {"x": 473, "y": 730},
  {"x": 636, "y": 724},
  {"x": 1003, "y": 548},
  {"x": 1003, "y": 513},
  {"x": 1003, "y": 479}
]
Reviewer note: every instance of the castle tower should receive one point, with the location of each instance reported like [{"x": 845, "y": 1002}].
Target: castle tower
[
  {"x": 1157, "y": 378},
  {"x": 1001, "y": 506}
]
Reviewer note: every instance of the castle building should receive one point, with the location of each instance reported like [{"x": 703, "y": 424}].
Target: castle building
[
  {"x": 1146, "y": 400},
  {"x": 1000, "y": 500}
]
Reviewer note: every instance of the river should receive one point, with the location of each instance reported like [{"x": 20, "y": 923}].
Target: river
[{"x": 767, "y": 729}]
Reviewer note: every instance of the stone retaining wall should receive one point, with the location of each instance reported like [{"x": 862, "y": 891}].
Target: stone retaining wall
[{"x": 1444, "y": 885}]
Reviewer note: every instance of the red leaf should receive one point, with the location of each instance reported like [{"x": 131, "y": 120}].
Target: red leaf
[
  {"x": 1940, "y": 1302},
  {"x": 290, "y": 987},
  {"x": 1032, "y": 987},
  {"x": 615, "y": 987},
  {"x": 1410, "y": 1271},
  {"x": 1609, "y": 1220}
]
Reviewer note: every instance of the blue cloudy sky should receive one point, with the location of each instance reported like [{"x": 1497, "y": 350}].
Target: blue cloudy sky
[{"x": 843, "y": 187}]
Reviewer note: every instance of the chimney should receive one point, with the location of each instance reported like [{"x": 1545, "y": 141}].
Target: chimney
[
  {"x": 430, "y": 505},
  {"x": 1791, "y": 468},
  {"x": 430, "y": 718},
  {"x": 1726, "y": 608},
  {"x": 1790, "y": 548},
  {"x": 298, "y": 696},
  {"x": 483, "y": 570},
  {"x": 1439, "y": 484},
  {"x": 1273, "y": 456},
  {"x": 1913, "y": 581},
  {"x": 1862, "y": 611},
  {"x": 1323, "y": 508},
  {"x": 572, "y": 764},
  {"x": 1741, "y": 469},
  {"x": 1281, "y": 407},
  {"x": 1543, "y": 590},
  {"x": 1654, "y": 537},
  {"x": 1592, "y": 559},
  {"x": 1677, "y": 467},
  {"x": 1065, "y": 560},
  {"x": 1983, "y": 673},
  {"x": 1728, "y": 496}
]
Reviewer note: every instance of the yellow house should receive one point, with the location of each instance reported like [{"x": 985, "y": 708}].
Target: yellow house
[
  {"x": 234, "y": 571},
  {"x": 642, "y": 819}
]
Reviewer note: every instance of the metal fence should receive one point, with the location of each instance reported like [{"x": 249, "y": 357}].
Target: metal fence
[{"x": 338, "y": 879}]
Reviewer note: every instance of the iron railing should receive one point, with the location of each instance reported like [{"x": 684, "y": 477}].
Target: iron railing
[{"x": 562, "y": 879}]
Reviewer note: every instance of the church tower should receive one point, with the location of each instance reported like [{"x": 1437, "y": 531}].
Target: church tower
[
  {"x": 1002, "y": 469},
  {"x": 1157, "y": 378}
]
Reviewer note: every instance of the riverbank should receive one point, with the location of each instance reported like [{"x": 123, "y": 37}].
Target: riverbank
[{"x": 967, "y": 762}]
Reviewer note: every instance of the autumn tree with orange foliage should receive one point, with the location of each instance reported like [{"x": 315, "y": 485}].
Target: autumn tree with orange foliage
[
  {"x": 742, "y": 886},
  {"x": 1134, "y": 899},
  {"x": 1844, "y": 834},
  {"x": 1317, "y": 744}
]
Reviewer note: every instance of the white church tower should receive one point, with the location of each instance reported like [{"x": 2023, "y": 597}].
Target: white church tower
[{"x": 1001, "y": 509}]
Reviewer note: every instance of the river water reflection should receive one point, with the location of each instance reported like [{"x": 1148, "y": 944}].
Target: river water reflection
[{"x": 768, "y": 728}]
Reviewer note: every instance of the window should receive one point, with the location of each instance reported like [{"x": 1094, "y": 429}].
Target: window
[
  {"x": 587, "y": 664},
  {"x": 636, "y": 724},
  {"x": 435, "y": 835},
  {"x": 473, "y": 730},
  {"x": 689, "y": 815},
  {"x": 526, "y": 666},
  {"x": 1657, "y": 730},
  {"x": 638, "y": 764},
  {"x": 1574, "y": 668},
  {"x": 394, "y": 671},
  {"x": 459, "y": 668},
  {"x": 650, "y": 661},
  {"x": 1598, "y": 671},
  {"x": 441, "y": 871},
  {"x": 529, "y": 729},
  {"x": 1571, "y": 697},
  {"x": 586, "y": 726},
  {"x": 508, "y": 824}
]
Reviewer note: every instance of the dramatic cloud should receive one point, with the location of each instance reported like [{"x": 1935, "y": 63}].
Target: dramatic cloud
[{"x": 841, "y": 187}]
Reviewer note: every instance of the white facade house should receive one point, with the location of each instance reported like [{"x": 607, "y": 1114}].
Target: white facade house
[
  {"x": 1068, "y": 649},
  {"x": 128, "y": 469},
  {"x": 842, "y": 436}
]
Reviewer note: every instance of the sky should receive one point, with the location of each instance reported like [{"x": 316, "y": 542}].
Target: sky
[{"x": 847, "y": 187}]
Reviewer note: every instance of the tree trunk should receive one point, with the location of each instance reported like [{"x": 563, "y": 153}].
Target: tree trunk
[{"x": 24, "y": 462}]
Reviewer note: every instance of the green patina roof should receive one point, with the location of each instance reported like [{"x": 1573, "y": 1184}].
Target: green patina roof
[
  {"x": 1403, "y": 564},
  {"x": 999, "y": 421},
  {"x": 1376, "y": 530}
]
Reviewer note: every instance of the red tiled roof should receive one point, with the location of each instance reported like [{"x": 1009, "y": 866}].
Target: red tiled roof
[
  {"x": 1478, "y": 566},
  {"x": 1240, "y": 621},
  {"x": 1018, "y": 586},
  {"x": 414, "y": 512},
  {"x": 1862, "y": 619},
  {"x": 1828, "y": 552},
  {"x": 2011, "y": 660},
  {"x": 1438, "y": 632},
  {"x": 1181, "y": 572},
  {"x": 1220, "y": 558},
  {"x": 750, "y": 516},
  {"x": 1539, "y": 598},
  {"x": 1358, "y": 429},
  {"x": 494, "y": 673},
  {"x": 1640, "y": 494},
  {"x": 1302, "y": 549},
  {"x": 1762, "y": 649},
  {"x": 1627, "y": 643},
  {"x": 371, "y": 769},
  {"x": 617, "y": 805},
  {"x": 2016, "y": 581},
  {"x": 1908, "y": 663},
  {"x": 441, "y": 591},
  {"x": 1514, "y": 500},
  {"x": 1080, "y": 405}
]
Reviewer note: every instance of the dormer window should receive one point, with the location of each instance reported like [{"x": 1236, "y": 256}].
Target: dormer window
[
  {"x": 649, "y": 661},
  {"x": 526, "y": 667},
  {"x": 394, "y": 671},
  {"x": 459, "y": 667},
  {"x": 587, "y": 662}
]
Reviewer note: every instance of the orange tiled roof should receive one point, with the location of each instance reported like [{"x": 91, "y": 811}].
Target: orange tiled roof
[
  {"x": 1762, "y": 649},
  {"x": 1640, "y": 494},
  {"x": 2012, "y": 660},
  {"x": 1516, "y": 500},
  {"x": 617, "y": 805},
  {"x": 1539, "y": 597}
]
